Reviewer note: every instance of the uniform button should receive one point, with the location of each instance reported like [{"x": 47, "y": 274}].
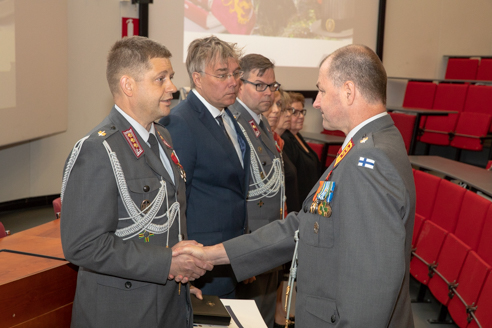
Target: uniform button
[
  {"x": 263, "y": 163},
  {"x": 113, "y": 127},
  {"x": 128, "y": 285},
  {"x": 146, "y": 188},
  {"x": 333, "y": 318}
]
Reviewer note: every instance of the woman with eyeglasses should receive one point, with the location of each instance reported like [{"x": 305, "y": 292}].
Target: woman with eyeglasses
[{"x": 296, "y": 148}]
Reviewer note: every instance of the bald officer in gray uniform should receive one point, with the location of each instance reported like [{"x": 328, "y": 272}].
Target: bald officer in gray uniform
[
  {"x": 355, "y": 228},
  {"x": 266, "y": 184},
  {"x": 123, "y": 202}
]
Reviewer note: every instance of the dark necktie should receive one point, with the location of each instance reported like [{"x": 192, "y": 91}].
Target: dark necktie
[
  {"x": 154, "y": 145},
  {"x": 220, "y": 120}
]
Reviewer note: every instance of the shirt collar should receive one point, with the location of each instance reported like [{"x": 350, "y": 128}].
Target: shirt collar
[
  {"x": 142, "y": 132},
  {"x": 352, "y": 133},
  {"x": 255, "y": 116},
  {"x": 213, "y": 110}
]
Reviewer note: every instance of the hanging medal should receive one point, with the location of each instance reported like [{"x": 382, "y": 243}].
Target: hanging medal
[{"x": 321, "y": 204}]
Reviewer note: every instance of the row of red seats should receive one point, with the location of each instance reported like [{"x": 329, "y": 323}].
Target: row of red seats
[
  {"x": 469, "y": 69},
  {"x": 465, "y": 130},
  {"x": 452, "y": 248}
]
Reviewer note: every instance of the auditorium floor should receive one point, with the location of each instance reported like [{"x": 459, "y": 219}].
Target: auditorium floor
[{"x": 16, "y": 221}]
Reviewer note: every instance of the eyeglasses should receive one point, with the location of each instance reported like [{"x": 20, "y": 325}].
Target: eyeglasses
[
  {"x": 288, "y": 110},
  {"x": 260, "y": 87},
  {"x": 223, "y": 77},
  {"x": 296, "y": 112}
]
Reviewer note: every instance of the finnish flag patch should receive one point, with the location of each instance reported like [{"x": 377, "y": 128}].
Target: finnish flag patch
[{"x": 366, "y": 162}]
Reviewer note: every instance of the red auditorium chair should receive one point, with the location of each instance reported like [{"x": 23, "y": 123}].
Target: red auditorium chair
[
  {"x": 470, "y": 282},
  {"x": 461, "y": 69},
  {"x": 3, "y": 232},
  {"x": 419, "y": 221},
  {"x": 332, "y": 154},
  {"x": 419, "y": 95},
  {"x": 405, "y": 124},
  {"x": 484, "y": 304},
  {"x": 57, "y": 207},
  {"x": 449, "y": 263},
  {"x": 447, "y": 205},
  {"x": 316, "y": 147},
  {"x": 471, "y": 131},
  {"x": 484, "y": 72},
  {"x": 427, "y": 249},
  {"x": 437, "y": 129},
  {"x": 484, "y": 248},
  {"x": 426, "y": 186},
  {"x": 474, "y": 210},
  {"x": 479, "y": 100}
]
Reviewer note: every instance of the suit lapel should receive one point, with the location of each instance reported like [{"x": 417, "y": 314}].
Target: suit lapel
[{"x": 213, "y": 127}]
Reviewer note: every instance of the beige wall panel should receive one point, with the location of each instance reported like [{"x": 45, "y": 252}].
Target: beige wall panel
[{"x": 14, "y": 173}]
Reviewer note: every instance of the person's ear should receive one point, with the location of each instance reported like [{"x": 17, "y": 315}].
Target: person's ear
[
  {"x": 348, "y": 92},
  {"x": 197, "y": 80},
  {"x": 127, "y": 85}
]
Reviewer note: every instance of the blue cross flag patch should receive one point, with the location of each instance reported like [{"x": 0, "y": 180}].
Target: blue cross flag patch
[{"x": 366, "y": 162}]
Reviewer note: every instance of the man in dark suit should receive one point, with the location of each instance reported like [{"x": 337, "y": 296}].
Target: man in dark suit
[
  {"x": 124, "y": 204},
  {"x": 355, "y": 227},
  {"x": 213, "y": 152},
  {"x": 266, "y": 184}
]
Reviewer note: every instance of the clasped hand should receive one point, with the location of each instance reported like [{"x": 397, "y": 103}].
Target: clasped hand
[{"x": 188, "y": 266}]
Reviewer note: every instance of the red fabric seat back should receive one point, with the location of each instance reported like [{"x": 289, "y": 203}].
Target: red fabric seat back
[
  {"x": 427, "y": 247},
  {"x": 404, "y": 124},
  {"x": 470, "y": 282},
  {"x": 447, "y": 205},
  {"x": 471, "y": 219},
  {"x": 419, "y": 95},
  {"x": 426, "y": 186},
  {"x": 484, "y": 71},
  {"x": 462, "y": 69}
]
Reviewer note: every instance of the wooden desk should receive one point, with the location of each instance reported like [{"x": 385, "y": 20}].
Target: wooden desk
[
  {"x": 419, "y": 112},
  {"x": 35, "y": 291},
  {"x": 475, "y": 177},
  {"x": 326, "y": 140}
]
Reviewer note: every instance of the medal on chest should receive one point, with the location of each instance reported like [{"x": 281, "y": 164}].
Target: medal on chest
[{"x": 321, "y": 204}]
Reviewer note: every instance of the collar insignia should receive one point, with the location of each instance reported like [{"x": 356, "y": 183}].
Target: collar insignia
[
  {"x": 133, "y": 142},
  {"x": 255, "y": 128},
  {"x": 363, "y": 140}
]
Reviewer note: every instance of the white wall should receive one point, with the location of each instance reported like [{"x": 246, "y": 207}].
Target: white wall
[{"x": 418, "y": 34}]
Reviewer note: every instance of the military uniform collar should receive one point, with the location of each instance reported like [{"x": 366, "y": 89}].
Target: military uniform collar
[
  {"x": 255, "y": 116},
  {"x": 352, "y": 132},
  {"x": 142, "y": 132}
]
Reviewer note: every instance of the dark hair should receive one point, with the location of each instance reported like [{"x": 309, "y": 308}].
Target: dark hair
[
  {"x": 131, "y": 56},
  {"x": 210, "y": 49},
  {"x": 253, "y": 62},
  {"x": 359, "y": 64}
]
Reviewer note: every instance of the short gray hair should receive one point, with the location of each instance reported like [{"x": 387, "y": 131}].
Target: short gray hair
[
  {"x": 359, "y": 64},
  {"x": 209, "y": 50}
]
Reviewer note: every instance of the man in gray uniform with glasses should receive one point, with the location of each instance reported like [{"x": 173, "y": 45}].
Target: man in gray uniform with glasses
[{"x": 266, "y": 184}]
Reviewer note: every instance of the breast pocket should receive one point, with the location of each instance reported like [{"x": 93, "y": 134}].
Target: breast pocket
[
  {"x": 316, "y": 230},
  {"x": 143, "y": 190}
]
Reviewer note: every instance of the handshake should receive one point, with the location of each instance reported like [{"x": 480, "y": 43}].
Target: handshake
[{"x": 191, "y": 260}]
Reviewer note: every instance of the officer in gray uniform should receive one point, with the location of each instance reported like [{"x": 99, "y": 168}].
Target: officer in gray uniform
[
  {"x": 123, "y": 202},
  {"x": 266, "y": 184}
]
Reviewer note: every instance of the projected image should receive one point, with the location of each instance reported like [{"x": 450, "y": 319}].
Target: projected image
[
  {"x": 7, "y": 54},
  {"x": 280, "y": 29}
]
